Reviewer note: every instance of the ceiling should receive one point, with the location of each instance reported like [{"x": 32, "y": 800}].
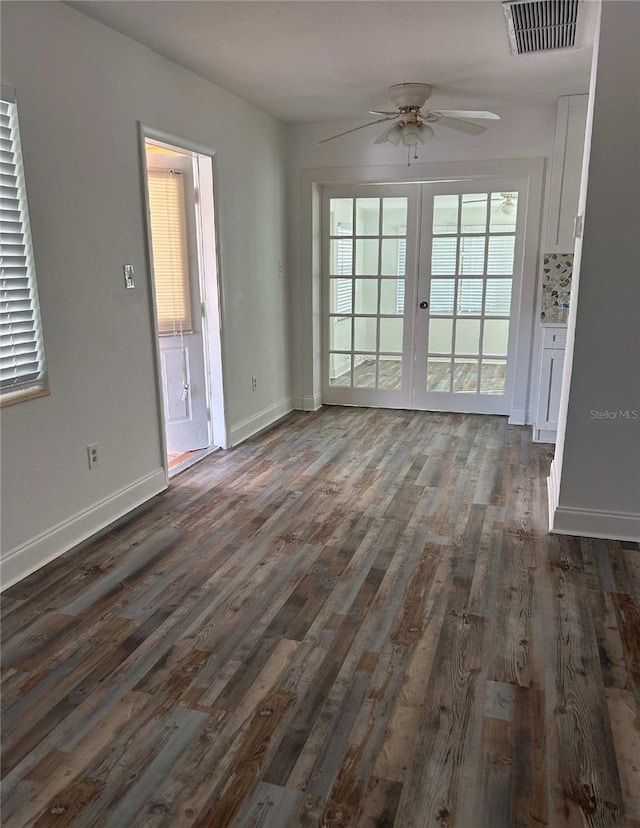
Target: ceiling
[{"x": 316, "y": 60}]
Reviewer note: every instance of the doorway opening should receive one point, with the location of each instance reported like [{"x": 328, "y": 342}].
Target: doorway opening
[
  {"x": 181, "y": 231},
  {"x": 421, "y": 294}
]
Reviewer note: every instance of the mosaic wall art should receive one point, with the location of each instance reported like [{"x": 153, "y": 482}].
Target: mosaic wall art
[{"x": 556, "y": 284}]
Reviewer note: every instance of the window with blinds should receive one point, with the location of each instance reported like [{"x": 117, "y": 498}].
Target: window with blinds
[
  {"x": 22, "y": 360},
  {"x": 170, "y": 257}
]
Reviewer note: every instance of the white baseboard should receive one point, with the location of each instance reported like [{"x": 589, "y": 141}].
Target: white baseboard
[
  {"x": 35, "y": 553},
  {"x": 308, "y": 403},
  {"x": 263, "y": 419},
  {"x": 590, "y": 523},
  {"x": 518, "y": 416},
  {"x": 542, "y": 435}
]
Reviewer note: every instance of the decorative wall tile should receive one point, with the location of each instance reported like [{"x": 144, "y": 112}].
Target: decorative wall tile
[{"x": 557, "y": 269}]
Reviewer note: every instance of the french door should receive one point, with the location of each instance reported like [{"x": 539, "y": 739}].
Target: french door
[{"x": 421, "y": 286}]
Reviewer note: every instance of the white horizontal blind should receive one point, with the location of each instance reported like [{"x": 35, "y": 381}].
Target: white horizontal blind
[
  {"x": 402, "y": 267},
  {"x": 169, "y": 244},
  {"x": 22, "y": 363},
  {"x": 344, "y": 252}
]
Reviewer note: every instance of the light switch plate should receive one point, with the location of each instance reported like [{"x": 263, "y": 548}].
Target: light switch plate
[{"x": 128, "y": 276}]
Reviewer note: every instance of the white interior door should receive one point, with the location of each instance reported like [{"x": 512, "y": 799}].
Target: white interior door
[
  {"x": 183, "y": 368},
  {"x": 468, "y": 296},
  {"x": 421, "y": 284},
  {"x": 369, "y": 267}
]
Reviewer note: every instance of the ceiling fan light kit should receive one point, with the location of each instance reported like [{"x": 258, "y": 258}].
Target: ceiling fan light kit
[
  {"x": 392, "y": 135},
  {"x": 412, "y": 125}
]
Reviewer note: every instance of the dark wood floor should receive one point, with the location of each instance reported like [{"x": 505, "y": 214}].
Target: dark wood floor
[{"x": 355, "y": 619}]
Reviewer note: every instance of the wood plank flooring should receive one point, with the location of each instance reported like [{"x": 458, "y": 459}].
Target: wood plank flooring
[
  {"x": 356, "y": 619},
  {"x": 441, "y": 377}
]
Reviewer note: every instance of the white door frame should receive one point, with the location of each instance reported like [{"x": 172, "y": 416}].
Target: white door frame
[
  {"x": 310, "y": 260},
  {"x": 212, "y": 298}
]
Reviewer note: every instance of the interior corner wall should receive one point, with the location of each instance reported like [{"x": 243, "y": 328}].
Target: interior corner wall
[
  {"x": 81, "y": 90},
  {"x": 521, "y": 133},
  {"x": 596, "y": 472}
]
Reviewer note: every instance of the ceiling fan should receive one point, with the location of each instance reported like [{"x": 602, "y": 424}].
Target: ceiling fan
[{"x": 412, "y": 125}]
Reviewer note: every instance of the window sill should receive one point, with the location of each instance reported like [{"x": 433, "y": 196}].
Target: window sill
[{"x": 15, "y": 397}]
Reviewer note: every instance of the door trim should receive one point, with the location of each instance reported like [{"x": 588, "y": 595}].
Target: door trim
[
  {"x": 307, "y": 296},
  {"x": 213, "y": 298}
]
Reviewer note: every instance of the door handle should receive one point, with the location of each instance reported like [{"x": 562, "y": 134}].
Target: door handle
[{"x": 424, "y": 305}]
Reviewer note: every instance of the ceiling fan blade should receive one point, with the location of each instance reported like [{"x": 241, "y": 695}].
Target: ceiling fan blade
[
  {"x": 355, "y": 129},
  {"x": 376, "y": 112},
  {"x": 469, "y": 113},
  {"x": 456, "y": 123}
]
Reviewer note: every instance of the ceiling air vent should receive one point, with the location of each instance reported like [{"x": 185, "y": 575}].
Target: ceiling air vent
[{"x": 541, "y": 25}]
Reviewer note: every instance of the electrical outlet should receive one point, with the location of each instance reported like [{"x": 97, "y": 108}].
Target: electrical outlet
[
  {"x": 93, "y": 455},
  {"x": 254, "y": 384}
]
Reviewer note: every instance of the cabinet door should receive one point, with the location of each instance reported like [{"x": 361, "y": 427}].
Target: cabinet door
[
  {"x": 550, "y": 385},
  {"x": 566, "y": 172}
]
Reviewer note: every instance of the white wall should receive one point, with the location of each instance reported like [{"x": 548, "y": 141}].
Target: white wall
[
  {"x": 521, "y": 133},
  {"x": 81, "y": 90},
  {"x": 595, "y": 483}
]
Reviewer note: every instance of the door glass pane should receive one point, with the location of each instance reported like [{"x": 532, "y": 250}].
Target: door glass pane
[
  {"x": 340, "y": 369},
  {"x": 440, "y": 336},
  {"x": 465, "y": 376},
  {"x": 504, "y": 212},
  {"x": 340, "y": 295},
  {"x": 394, "y": 254},
  {"x": 471, "y": 256},
  {"x": 443, "y": 257},
  {"x": 445, "y": 214},
  {"x": 394, "y": 216},
  {"x": 474, "y": 213},
  {"x": 366, "y": 257},
  {"x": 392, "y": 296},
  {"x": 470, "y": 297},
  {"x": 340, "y": 333},
  {"x": 341, "y": 215},
  {"x": 391, "y": 335},
  {"x": 366, "y": 331},
  {"x": 366, "y": 296},
  {"x": 441, "y": 296},
  {"x": 467, "y": 336},
  {"x": 492, "y": 376},
  {"x": 364, "y": 372},
  {"x": 501, "y": 254},
  {"x": 367, "y": 216},
  {"x": 438, "y": 374},
  {"x": 496, "y": 337},
  {"x": 389, "y": 373},
  {"x": 340, "y": 263},
  {"x": 498, "y": 297}
]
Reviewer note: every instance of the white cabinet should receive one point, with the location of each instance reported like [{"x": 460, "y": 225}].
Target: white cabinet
[
  {"x": 553, "y": 345},
  {"x": 566, "y": 171}
]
